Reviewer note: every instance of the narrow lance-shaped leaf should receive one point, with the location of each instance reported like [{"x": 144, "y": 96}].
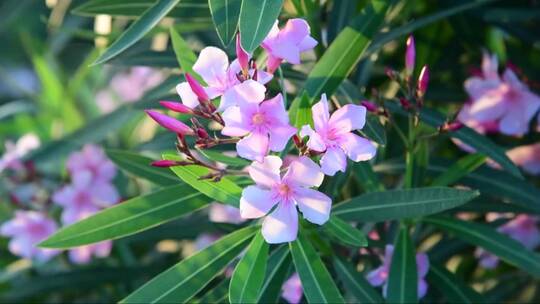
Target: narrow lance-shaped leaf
[
  {"x": 318, "y": 285},
  {"x": 256, "y": 19},
  {"x": 300, "y": 111},
  {"x": 403, "y": 278},
  {"x": 501, "y": 245},
  {"x": 132, "y": 216},
  {"x": 184, "y": 55},
  {"x": 459, "y": 169},
  {"x": 129, "y": 8},
  {"x": 451, "y": 286},
  {"x": 400, "y": 204},
  {"x": 355, "y": 283},
  {"x": 279, "y": 266},
  {"x": 218, "y": 294},
  {"x": 343, "y": 232},
  {"x": 225, "y": 14},
  {"x": 248, "y": 276},
  {"x": 181, "y": 282},
  {"x": 138, "y": 29},
  {"x": 366, "y": 177}
]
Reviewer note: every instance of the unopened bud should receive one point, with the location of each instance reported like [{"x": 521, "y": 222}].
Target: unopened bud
[
  {"x": 176, "y": 107},
  {"x": 165, "y": 163},
  {"x": 242, "y": 55},
  {"x": 371, "y": 107},
  {"x": 170, "y": 123},
  {"x": 297, "y": 141},
  {"x": 202, "y": 133},
  {"x": 404, "y": 103},
  {"x": 423, "y": 81},
  {"x": 451, "y": 126},
  {"x": 197, "y": 88},
  {"x": 410, "y": 55}
]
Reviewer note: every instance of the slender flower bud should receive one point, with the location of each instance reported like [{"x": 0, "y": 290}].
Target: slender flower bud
[
  {"x": 202, "y": 133},
  {"x": 176, "y": 107},
  {"x": 170, "y": 123},
  {"x": 197, "y": 88},
  {"x": 451, "y": 126},
  {"x": 297, "y": 141},
  {"x": 423, "y": 81},
  {"x": 242, "y": 55},
  {"x": 410, "y": 55},
  {"x": 404, "y": 103},
  {"x": 165, "y": 163},
  {"x": 371, "y": 107}
]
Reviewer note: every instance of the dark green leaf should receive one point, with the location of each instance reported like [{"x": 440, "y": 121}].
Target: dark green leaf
[
  {"x": 218, "y": 294},
  {"x": 318, "y": 285},
  {"x": 366, "y": 177},
  {"x": 400, "y": 204},
  {"x": 355, "y": 283},
  {"x": 184, "y": 55},
  {"x": 248, "y": 276},
  {"x": 132, "y": 216},
  {"x": 256, "y": 19},
  {"x": 451, "y": 286},
  {"x": 459, "y": 169},
  {"x": 181, "y": 282},
  {"x": 134, "y": 8},
  {"x": 343, "y": 232},
  {"x": 279, "y": 265},
  {"x": 225, "y": 14},
  {"x": 403, "y": 278}
]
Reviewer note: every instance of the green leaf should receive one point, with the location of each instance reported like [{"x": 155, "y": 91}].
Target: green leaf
[
  {"x": 300, "y": 111},
  {"x": 248, "y": 276},
  {"x": 181, "y": 282},
  {"x": 355, "y": 283},
  {"x": 506, "y": 248},
  {"x": 363, "y": 172},
  {"x": 218, "y": 156},
  {"x": 218, "y": 294},
  {"x": 344, "y": 233},
  {"x": 256, "y": 19},
  {"x": 401, "y": 204},
  {"x": 185, "y": 9},
  {"x": 132, "y": 216},
  {"x": 279, "y": 266},
  {"x": 225, "y": 191},
  {"x": 139, "y": 166},
  {"x": 403, "y": 278},
  {"x": 451, "y": 286},
  {"x": 318, "y": 285},
  {"x": 225, "y": 14},
  {"x": 459, "y": 169},
  {"x": 344, "y": 53},
  {"x": 184, "y": 55},
  {"x": 138, "y": 29}
]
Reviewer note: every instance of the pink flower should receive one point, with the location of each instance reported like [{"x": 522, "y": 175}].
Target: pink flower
[
  {"x": 26, "y": 230},
  {"x": 220, "y": 213},
  {"x": 287, "y": 192},
  {"x": 14, "y": 152},
  {"x": 266, "y": 124},
  {"x": 527, "y": 157},
  {"x": 204, "y": 240},
  {"x": 410, "y": 55},
  {"x": 213, "y": 66},
  {"x": 131, "y": 86},
  {"x": 292, "y": 289},
  {"x": 333, "y": 135},
  {"x": 287, "y": 43},
  {"x": 379, "y": 276},
  {"x": 93, "y": 161}
]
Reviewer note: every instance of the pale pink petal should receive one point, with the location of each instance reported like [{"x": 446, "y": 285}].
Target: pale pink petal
[
  {"x": 253, "y": 147},
  {"x": 490, "y": 66},
  {"x": 422, "y": 288},
  {"x": 295, "y": 31},
  {"x": 422, "y": 264},
  {"x": 255, "y": 202},
  {"x": 307, "y": 44},
  {"x": 248, "y": 92},
  {"x": 187, "y": 96},
  {"x": 315, "y": 142},
  {"x": 292, "y": 289},
  {"x": 378, "y": 276},
  {"x": 273, "y": 63},
  {"x": 357, "y": 148},
  {"x": 105, "y": 194},
  {"x": 279, "y": 136},
  {"x": 513, "y": 122},
  {"x": 81, "y": 255},
  {"x": 348, "y": 118},
  {"x": 321, "y": 114},
  {"x": 304, "y": 172},
  {"x": 212, "y": 65},
  {"x": 267, "y": 172},
  {"x": 281, "y": 225},
  {"x": 221, "y": 213},
  {"x": 314, "y": 205},
  {"x": 102, "y": 249},
  {"x": 262, "y": 76},
  {"x": 490, "y": 106},
  {"x": 333, "y": 160},
  {"x": 274, "y": 31},
  {"x": 527, "y": 157},
  {"x": 236, "y": 122},
  {"x": 476, "y": 86},
  {"x": 510, "y": 77},
  {"x": 287, "y": 51},
  {"x": 274, "y": 109}
]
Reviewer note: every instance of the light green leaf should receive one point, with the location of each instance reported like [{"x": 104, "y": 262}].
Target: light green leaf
[
  {"x": 344, "y": 233},
  {"x": 300, "y": 111},
  {"x": 506, "y": 248},
  {"x": 218, "y": 294},
  {"x": 403, "y": 278},
  {"x": 218, "y": 156},
  {"x": 248, "y": 276},
  {"x": 184, "y": 55},
  {"x": 318, "y": 285},
  {"x": 355, "y": 283},
  {"x": 225, "y": 191},
  {"x": 225, "y": 14},
  {"x": 459, "y": 169},
  {"x": 181, "y": 282},
  {"x": 138, "y": 29},
  {"x": 139, "y": 166},
  {"x": 185, "y": 9},
  {"x": 256, "y": 19},
  {"x": 279, "y": 266},
  {"x": 344, "y": 53},
  {"x": 401, "y": 204},
  {"x": 451, "y": 286},
  {"x": 132, "y": 216}
]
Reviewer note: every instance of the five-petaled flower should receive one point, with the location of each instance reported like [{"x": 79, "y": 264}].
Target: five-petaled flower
[
  {"x": 285, "y": 193},
  {"x": 333, "y": 135}
]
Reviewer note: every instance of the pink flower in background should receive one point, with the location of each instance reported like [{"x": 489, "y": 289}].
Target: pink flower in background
[
  {"x": 292, "y": 289},
  {"x": 91, "y": 160},
  {"x": 287, "y": 43},
  {"x": 379, "y": 276},
  {"x": 523, "y": 228},
  {"x": 131, "y": 86},
  {"x": 527, "y": 157},
  {"x": 287, "y": 192},
  {"x": 265, "y": 126},
  {"x": 221, "y": 213},
  {"x": 333, "y": 135},
  {"x": 213, "y": 66},
  {"x": 204, "y": 240},
  {"x": 26, "y": 230},
  {"x": 14, "y": 152},
  {"x": 84, "y": 254}
]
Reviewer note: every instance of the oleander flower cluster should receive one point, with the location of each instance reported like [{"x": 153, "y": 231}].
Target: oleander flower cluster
[{"x": 236, "y": 97}]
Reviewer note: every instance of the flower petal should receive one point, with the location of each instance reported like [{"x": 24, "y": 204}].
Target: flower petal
[
  {"x": 266, "y": 173},
  {"x": 357, "y": 148},
  {"x": 253, "y": 147},
  {"x": 279, "y": 136},
  {"x": 320, "y": 113},
  {"x": 422, "y": 264},
  {"x": 236, "y": 122},
  {"x": 315, "y": 206},
  {"x": 378, "y": 276},
  {"x": 274, "y": 110},
  {"x": 281, "y": 225},
  {"x": 513, "y": 122},
  {"x": 347, "y": 118},
  {"x": 304, "y": 173},
  {"x": 248, "y": 92},
  {"x": 212, "y": 65},
  {"x": 315, "y": 141},
  {"x": 333, "y": 160},
  {"x": 255, "y": 202}
]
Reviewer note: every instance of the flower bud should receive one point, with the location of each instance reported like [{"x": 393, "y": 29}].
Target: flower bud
[
  {"x": 176, "y": 107},
  {"x": 165, "y": 163},
  {"x": 197, "y": 88},
  {"x": 202, "y": 133},
  {"x": 423, "y": 81},
  {"x": 410, "y": 55},
  {"x": 242, "y": 55},
  {"x": 170, "y": 123},
  {"x": 404, "y": 103},
  {"x": 371, "y": 107},
  {"x": 451, "y": 126}
]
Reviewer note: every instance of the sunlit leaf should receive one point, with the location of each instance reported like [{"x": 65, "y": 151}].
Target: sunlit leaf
[
  {"x": 256, "y": 19},
  {"x": 459, "y": 169},
  {"x": 225, "y": 14},
  {"x": 343, "y": 232}
]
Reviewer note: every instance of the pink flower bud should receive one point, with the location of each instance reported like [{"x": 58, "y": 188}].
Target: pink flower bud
[
  {"x": 164, "y": 163},
  {"x": 170, "y": 123},
  {"x": 390, "y": 73},
  {"x": 371, "y": 107},
  {"x": 405, "y": 103},
  {"x": 202, "y": 133},
  {"x": 197, "y": 88},
  {"x": 242, "y": 55},
  {"x": 423, "y": 81},
  {"x": 410, "y": 55},
  {"x": 176, "y": 107}
]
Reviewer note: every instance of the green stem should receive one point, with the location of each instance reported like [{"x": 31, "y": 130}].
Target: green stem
[{"x": 409, "y": 156}]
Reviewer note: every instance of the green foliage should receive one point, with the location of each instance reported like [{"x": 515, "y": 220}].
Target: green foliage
[
  {"x": 256, "y": 19},
  {"x": 403, "y": 277},
  {"x": 225, "y": 14}
]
